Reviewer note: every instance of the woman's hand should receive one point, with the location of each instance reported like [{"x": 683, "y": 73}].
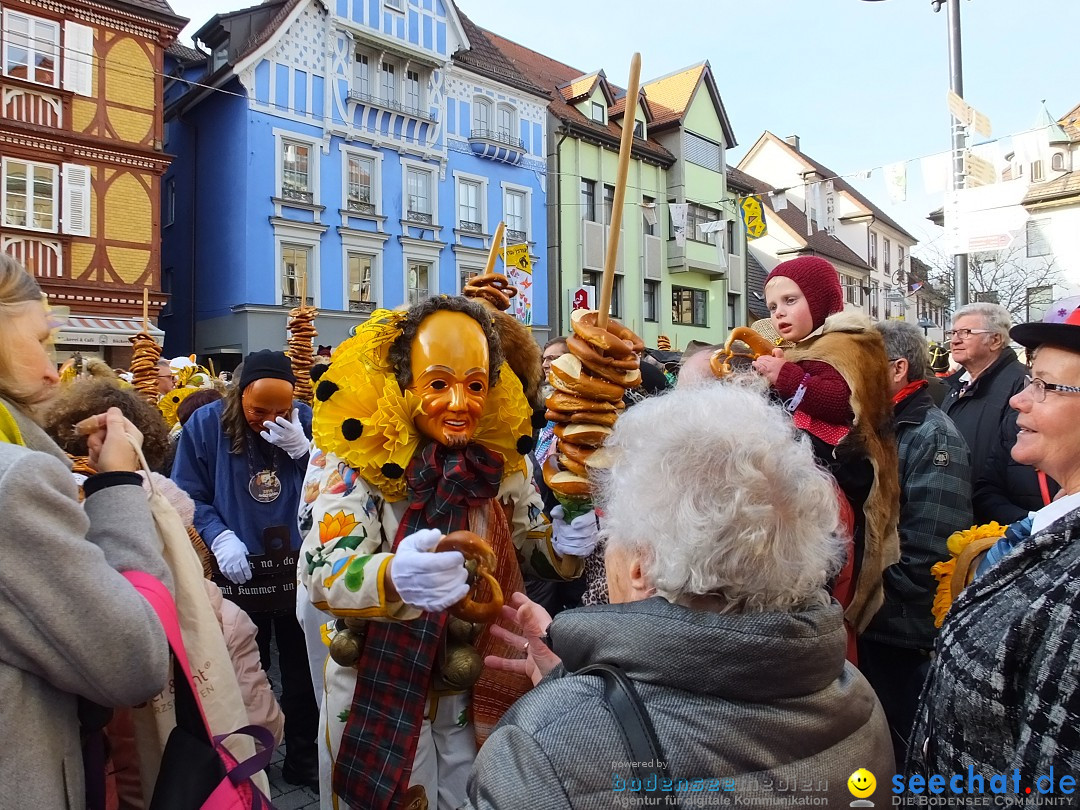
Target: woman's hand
[
  {"x": 110, "y": 449},
  {"x": 768, "y": 366},
  {"x": 533, "y": 622}
]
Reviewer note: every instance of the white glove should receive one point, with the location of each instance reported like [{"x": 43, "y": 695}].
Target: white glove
[
  {"x": 578, "y": 538},
  {"x": 231, "y": 556},
  {"x": 288, "y": 435},
  {"x": 425, "y": 579}
]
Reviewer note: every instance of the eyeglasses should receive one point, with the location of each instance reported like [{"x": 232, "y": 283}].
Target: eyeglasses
[
  {"x": 964, "y": 334},
  {"x": 1040, "y": 387}
]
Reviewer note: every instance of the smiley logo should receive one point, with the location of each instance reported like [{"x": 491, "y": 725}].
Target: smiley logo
[{"x": 861, "y": 783}]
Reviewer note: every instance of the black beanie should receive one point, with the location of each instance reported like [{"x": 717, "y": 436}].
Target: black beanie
[{"x": 265, "y": 364}]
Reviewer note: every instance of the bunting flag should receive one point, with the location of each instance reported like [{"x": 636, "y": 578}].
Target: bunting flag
[
  {"x": 812, "y": 199},
  {"x": 936, "y": 172},
  {"x": 830, "y": 208},
  {"x": 778, "y": 200},
  {"x": 718, "y": 227},
  {"x": 649, "y": 211},
  {"x": 753, "y": 216},
  {"x": 916, "y": 286},
  {"x": 518, "y": 265},
  {"x": 864, "y": 174},
  {"x": 678, "y": 222},
  {"x": 896, "y": 181}
]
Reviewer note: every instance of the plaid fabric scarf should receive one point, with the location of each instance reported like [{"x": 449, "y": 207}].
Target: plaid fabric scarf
[{"x": 394, "y": 672}]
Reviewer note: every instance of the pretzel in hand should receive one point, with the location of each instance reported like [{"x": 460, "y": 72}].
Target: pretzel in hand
[
  {"x": 757, "y": 345},
  {"x": 492, "y": 287},
  {"x": 479, "y": 554}
]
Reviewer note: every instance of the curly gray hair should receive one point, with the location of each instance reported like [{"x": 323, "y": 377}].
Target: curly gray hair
[
  {"x": 739, "y": 511},
  {"x": 994, "y": 316}
]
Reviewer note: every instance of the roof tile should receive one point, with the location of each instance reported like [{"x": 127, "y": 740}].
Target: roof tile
[{"x": 669, "y": 96}]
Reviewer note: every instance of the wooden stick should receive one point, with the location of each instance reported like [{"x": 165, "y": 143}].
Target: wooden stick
[
  {"x": 493, "y": 254},
  {"x": 146, "y": 310},
  {"x": 625, "y": 145}
]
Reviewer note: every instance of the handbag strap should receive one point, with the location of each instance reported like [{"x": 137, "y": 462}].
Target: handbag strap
[{"x": 639, "y": 736}]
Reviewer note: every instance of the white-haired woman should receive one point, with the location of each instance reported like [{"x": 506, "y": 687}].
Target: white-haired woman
[
  {"x": 721, "y": 538},
  {"x": 72, "y": 630}
]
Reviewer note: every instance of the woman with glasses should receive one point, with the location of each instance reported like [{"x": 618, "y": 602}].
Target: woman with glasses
[
  {"x": 74, "y": 635},
  {"x": 1004, "y": 690}
]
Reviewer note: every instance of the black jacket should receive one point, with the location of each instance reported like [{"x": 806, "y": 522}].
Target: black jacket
[
  {"x": 1007, "y": 490},
  {"x": 984, "y": 407}
]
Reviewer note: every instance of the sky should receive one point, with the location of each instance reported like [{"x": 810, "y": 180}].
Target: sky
[{"x": 862, "y": 84}]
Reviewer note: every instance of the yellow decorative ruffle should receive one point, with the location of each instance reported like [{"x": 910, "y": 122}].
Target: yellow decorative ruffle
[
  {"x": 361, "y": 415},
  {"x": 945, "y": 571},
  {"x": 170, "y": 402}
]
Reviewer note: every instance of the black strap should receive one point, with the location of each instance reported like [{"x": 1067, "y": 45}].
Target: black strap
[{"x": 646, "y": 756}]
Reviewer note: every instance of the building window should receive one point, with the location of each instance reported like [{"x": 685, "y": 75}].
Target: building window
[
  {"x": 397, "y": 5},
  {"x": 886, "y": 251},
  {"x": 517, "y": 229},
  {"x": 733, "y": 246},
  {"x": 1037, "y": 171},
  {"x": 1038, "y": 237},
  {"x": 594, "y": 279},
  {"x": 874, "y": 300},
  {"x": 652, "y": 303},
  {"x": 31, "y": 48},
  {"x": 1057, "y": 162},
  {"x": 873, "y": 250},
  {"x": 295, "y": 260},
  {"x": 504, "y": 119},
  {"x": 648, "y": 216},
  {"x": 170, "y": 202},
  {"x": 418, "y": 184},
  {"x": 853, "y": 290},
  {"x": 481, "y": 116},
  {"x": 639, "y": 129},
  {"x": 362, "y": 74},
  {"x": 609, "y": 202},
  {"x": 412, "y": 90},
  {"x": 588, "y": 200},
  {"x": 295, "y": 174},
  {"x": 419, "y": 276},
  {"x": 703, "y": 152},
  {"x": 30, "y": 195},
  {"x": 469, "y": 211},
  {"x": 732, "y": 309},
  {"x": 389, "y": 84},
  {"x": 360, "y": 291},
  {"x": 598, "y": 112},
  {"x": 359, "y": 196},
  {"x": 900, "y": 256},
  {"x": 700, "y": 215},
  {"x": 689, "y": 307},
  {"x": 1039, "y": 299},
  {"x": 465, "y": 274}
]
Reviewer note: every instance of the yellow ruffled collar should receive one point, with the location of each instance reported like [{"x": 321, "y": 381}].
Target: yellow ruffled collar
[{"x": 361, "y": 415}]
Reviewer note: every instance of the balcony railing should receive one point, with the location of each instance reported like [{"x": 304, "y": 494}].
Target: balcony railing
[
  {"x": 386, "y": 104},
  {"x": 294, "y": 301},
  {"x": 470, "y": 227},
  {"x": 418, "y": 216},
  {"x": 497, "y": 137},
  {"x": 516, "y": 237},
  {"x": 298, "y": 194},
  {"x": 363, "y": 307},
  {"x": 360, "y": 206}
]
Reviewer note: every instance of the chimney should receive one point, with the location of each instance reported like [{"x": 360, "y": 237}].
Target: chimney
[{"x": 793, "y": 140}]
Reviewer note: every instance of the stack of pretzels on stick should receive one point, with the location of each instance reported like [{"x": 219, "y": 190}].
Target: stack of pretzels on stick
[
  {"x": 492, "y": 287},
  {"x": 589, "y": 381},
  {"x": 144, "y": 361},
  {"x": 302, "y": 333}
]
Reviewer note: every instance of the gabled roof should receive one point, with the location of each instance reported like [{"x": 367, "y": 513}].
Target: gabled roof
[
  {"x": 819, "y": 242},
  {"x": 484, "y": 58},
  {"x": 246, "y": 28},
  {"x": 155, "y": 9},
  {"x": 551, "y": 75},
  {"x": 1070, "y": 122},
  {"x": 184, "y": 54},
  {"x": 1061, "y": 188},
  {"x": 839, "y": 183},
  {"x": 583, "y": 86},
  {"x": 672, "y": 95}
]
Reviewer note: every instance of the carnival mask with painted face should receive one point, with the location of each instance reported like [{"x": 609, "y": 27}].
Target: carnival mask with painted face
[{"x": 449, "y": 363}]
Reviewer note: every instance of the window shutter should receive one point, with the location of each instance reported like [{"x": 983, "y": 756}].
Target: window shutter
[
  {"x": 78, "y": 58},
  {"x": 76, "y": 213},
  {"x": 703, "y": 152}
]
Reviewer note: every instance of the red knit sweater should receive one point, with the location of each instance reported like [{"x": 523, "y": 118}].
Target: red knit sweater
[{"x": 825, "y": 407}]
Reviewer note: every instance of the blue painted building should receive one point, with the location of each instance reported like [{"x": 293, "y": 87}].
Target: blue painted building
[{"x": 342, "y": 149}]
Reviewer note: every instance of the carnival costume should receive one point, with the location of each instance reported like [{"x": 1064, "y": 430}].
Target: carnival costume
[{"x": 373, "y": 479}]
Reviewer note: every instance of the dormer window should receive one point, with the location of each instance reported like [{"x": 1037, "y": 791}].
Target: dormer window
[
  {"x": 219, "y": 57},
  {"x": 1036, "y": 171},
  {"x": 639, "y": 129},
  {"x": 1057, "y": 162},
  {"x": 598, "y": 112}
]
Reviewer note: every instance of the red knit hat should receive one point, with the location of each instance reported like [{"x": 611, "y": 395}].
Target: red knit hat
[{"x": 819, "y": 283}]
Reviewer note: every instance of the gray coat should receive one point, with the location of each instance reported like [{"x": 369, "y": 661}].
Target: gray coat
[
  {"x": 763, "y": 703},
  {"x": 70, "y": 625}
]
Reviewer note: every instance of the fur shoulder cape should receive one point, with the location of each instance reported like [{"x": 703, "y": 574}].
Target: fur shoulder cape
[{"x": 850, "y": 344}]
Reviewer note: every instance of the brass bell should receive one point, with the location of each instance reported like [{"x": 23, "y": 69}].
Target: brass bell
[
  {"x": 462, "y": 666},
  {"x": 461, "y": 631},
  {"x": 345, "y": 648}
]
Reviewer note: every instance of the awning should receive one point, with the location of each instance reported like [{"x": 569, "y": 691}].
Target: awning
[{"x": 84, "y": 330}]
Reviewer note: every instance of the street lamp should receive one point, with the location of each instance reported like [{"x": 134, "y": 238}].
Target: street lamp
[{"x": 959, "y": 134}]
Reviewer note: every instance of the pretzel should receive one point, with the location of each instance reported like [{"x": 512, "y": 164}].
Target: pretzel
[
  {"x": 616, "y": 340},
  {"x": 577, "y": 453},
  {"x": 758, "y": 345},
  {"x": 302, "y": 332},
  {"x": 568, "y": 403},
  {"x": 592, "y": 359},
  {"x": 473, "y": 547},
  {"x": 493, "y": 287},
  {"x": 584, "y": 385}
]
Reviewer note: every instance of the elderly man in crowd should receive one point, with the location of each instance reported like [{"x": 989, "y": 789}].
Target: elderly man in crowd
[{"x": 935, "y": 501}]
